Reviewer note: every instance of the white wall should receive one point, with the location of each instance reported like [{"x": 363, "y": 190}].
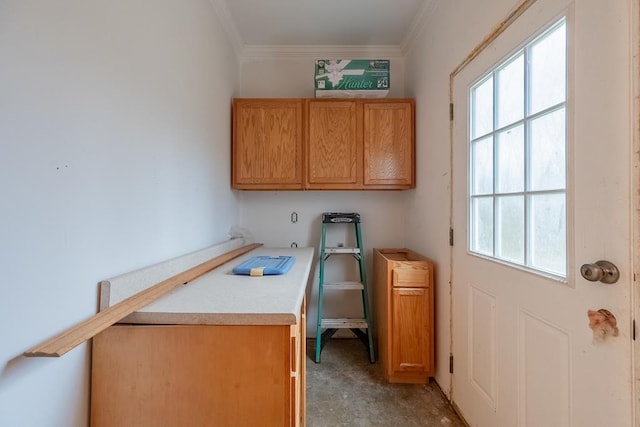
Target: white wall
[
  {"x": 114, "y": 154},
  {"x": 267, "y": 214},
  {"x": 450, "y": 33}
]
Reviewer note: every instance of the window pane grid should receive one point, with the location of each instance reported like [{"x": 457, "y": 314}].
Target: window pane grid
[
  {"x": 530, "y": 117},
  {"x": 520, "y": 193},
  {"x": 525, "y": 203}
]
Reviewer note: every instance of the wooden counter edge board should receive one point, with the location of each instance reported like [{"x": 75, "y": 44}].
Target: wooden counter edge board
[{"x": 76, "y": 335}]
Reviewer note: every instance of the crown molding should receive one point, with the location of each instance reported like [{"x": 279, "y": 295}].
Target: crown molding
[
  {"x": 228, "y": 24},
  {"x": 316, "y": 51},
  {"x": 419, "y": 21}
]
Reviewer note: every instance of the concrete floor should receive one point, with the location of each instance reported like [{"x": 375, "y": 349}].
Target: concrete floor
[{"x": 346, "y": 390}]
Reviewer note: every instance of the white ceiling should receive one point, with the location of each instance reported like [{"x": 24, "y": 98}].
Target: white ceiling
[{"x": 322, "y": 22}]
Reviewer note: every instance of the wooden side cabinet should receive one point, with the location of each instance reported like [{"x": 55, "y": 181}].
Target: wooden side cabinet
[
  {"x": 403, "y": 310},
  {"x": 196, "y": 375},
  {"x": 267, "y": 144}
]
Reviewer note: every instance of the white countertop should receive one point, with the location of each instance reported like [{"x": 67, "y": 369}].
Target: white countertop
[{"x": 222, "y": 298}]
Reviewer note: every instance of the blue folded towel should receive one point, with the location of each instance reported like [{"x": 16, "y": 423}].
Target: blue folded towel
[{"x": 265, "y": 265}]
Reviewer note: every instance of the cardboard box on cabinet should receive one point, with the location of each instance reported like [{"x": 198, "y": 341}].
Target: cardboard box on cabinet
[{"x": 352, "y": 78}]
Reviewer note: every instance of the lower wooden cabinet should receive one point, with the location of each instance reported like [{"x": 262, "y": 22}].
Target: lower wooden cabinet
[
  {"x": 403, "y": 310},
  {"x": 196, "y": 375}
]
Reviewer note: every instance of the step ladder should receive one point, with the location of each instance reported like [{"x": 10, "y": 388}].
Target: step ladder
[{"x": 327, "y": 327}]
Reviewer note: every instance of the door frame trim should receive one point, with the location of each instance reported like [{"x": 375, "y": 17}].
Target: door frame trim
[{"x": 635, "y": 196}]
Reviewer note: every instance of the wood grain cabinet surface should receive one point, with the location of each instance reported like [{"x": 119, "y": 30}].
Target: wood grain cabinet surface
[
  {"x": 267, "y": 144},
  {"x": 347, "y": 144},
  {"x": 333, "y": 154},
  {"x": 403, "y": 310},
  {"x": 197, "y": 375},
  {"x": 388, "y": 144}
]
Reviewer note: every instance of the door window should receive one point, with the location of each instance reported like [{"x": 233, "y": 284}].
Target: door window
[{"x": 517, "y": 157}]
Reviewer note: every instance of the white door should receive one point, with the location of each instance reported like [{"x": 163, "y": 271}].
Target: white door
[{"x": 524, "y": 354}]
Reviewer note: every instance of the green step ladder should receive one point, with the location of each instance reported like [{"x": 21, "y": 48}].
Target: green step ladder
[{"x": 327, "y": 327}]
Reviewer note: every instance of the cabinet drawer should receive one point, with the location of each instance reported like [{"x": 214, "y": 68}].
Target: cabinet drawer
[{"x": 412, "y": 277}]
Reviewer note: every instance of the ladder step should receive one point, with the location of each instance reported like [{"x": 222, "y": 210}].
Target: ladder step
[
  {"x": 356, "y": 286},
  {"x": 341, "y": 250},
  {"x": 340, "y": 217},
  {"x": 344, "y": 323}
]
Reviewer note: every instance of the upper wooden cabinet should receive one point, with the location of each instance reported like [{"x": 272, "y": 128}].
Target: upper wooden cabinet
[
  {"x": 267, "y": 144},
  {"x": 348, "y": 144},
  {"x": 334, "y": 154},
  {"x": 389, "y": 144}
]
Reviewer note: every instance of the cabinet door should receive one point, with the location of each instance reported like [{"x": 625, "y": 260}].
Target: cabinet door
[
  {"x": 267, "y": 144},
  {"x": 389, "y": 144},
  {"x": 191, "y": 375},
  {"x": 411, "y": 328},
  {"x": 334, "y": 149}
]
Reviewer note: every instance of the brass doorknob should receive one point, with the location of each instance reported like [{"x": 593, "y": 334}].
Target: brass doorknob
[{"x": 600, "y": 271}]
